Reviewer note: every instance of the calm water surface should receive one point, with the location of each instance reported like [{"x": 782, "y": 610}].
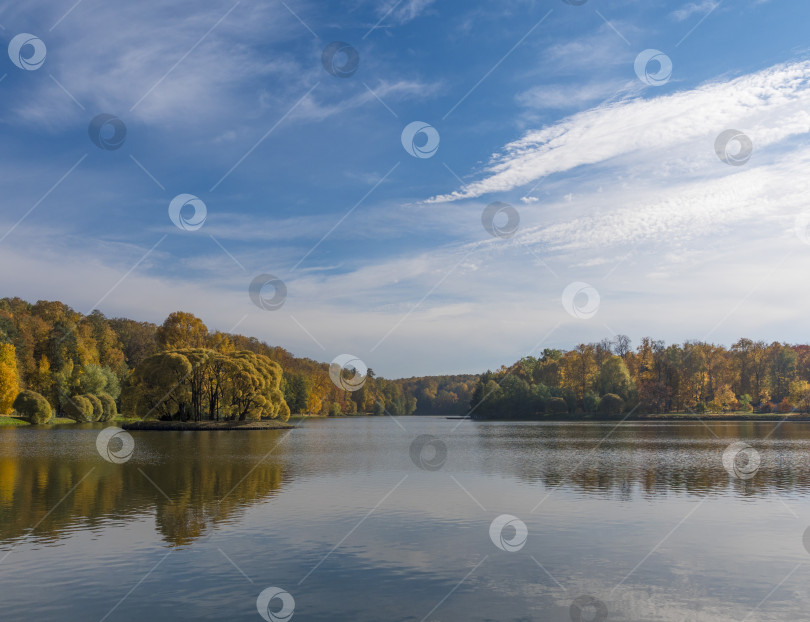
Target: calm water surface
[{"x": 642, "y": 517}]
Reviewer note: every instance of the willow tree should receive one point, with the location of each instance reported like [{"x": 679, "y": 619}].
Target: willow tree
[
  {"x": 197, "y": 383},
  {"x": 181, "y": 330},
  {"x": 158, "y": 387}
]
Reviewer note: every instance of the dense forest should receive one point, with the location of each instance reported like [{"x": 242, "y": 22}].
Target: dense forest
[
  {"x": 610, "y": 378},
  {"x": 88, "y": 367},
  {"x": 57, "y": 361}
]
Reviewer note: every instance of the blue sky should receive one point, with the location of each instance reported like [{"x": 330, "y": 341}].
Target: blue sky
[{"x": 304, "y": 176}]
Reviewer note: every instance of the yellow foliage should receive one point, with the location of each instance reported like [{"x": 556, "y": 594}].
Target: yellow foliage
[{"x": 9, "y": 378}]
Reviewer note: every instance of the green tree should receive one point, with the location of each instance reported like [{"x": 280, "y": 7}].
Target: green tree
[
  {"x": 611, "y": 405},
  {"x": 556, "y": 406},
  {"x": 96, "y": 379},
  {"x": 109, "y": 410},
  {"x": 615, "y": 378},
  {"x": 98, "y": 409},
  {"x": 79, "y": 408},
  {"x": 33, "y": 407},
  {"x": 158, "y": 387}
]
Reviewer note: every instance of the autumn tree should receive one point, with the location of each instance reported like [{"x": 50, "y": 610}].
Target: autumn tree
[
  {"x": 614, "y": 377},
  {"x": 799, "y": 395},
  {"x": 9, "y": 379},
  {"x": 181, "y": 330}
]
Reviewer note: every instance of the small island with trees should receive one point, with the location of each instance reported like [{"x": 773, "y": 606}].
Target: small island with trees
[{"x": 60, "y": 366}]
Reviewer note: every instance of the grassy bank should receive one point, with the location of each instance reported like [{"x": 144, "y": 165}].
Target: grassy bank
[{"x": 10, "y": 422}]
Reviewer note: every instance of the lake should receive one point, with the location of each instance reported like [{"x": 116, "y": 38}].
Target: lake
[{"x": 414, "y": 518}]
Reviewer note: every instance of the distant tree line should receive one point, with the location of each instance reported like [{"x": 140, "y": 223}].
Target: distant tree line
[
  {"x": 439, "y": 395},
  {"x": 57, "y": 361},
  {"x": 611, "y": 378}
]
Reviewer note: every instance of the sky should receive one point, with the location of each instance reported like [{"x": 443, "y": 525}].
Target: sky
[{"x": 430, "y": 186}]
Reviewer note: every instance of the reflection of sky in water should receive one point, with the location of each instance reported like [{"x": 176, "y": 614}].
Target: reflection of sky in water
[{"x": 603, "y": 514}]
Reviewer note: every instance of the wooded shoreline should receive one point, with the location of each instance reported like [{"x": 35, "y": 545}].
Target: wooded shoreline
[{"x": 208, "y": 426}]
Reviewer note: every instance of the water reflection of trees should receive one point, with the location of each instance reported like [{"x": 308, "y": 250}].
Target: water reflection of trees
[
  {"x": 651, "y": 459},
  {"x": 208, "y": 479}
]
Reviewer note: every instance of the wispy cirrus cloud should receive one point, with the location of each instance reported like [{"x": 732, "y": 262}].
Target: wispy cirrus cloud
[
  {"x": 687, "y": 10},
  {"x": 770, "y": 105}
]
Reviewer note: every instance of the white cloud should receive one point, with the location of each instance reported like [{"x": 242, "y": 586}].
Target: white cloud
[
  {"x": 566, "y": 96},
  {"x": 687, "y": 10},
  {"x": 770, "y": 106}
]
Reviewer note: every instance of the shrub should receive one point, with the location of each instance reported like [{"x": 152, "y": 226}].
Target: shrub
[
  {"x": 747, "y": 408},
  {"x": 98, "y": 408},
  {"x": 33, "y": 407},
  {"x": 590, "y": 403},
  {"x": 785, "y": 406},
  {"x": 611, "y": 405},
  {"x": 556, "y": 406},
  {"x": 79, "y": 409},
  {"x": 108, "y": 407},
  {"x": 701, "y": 408}
]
